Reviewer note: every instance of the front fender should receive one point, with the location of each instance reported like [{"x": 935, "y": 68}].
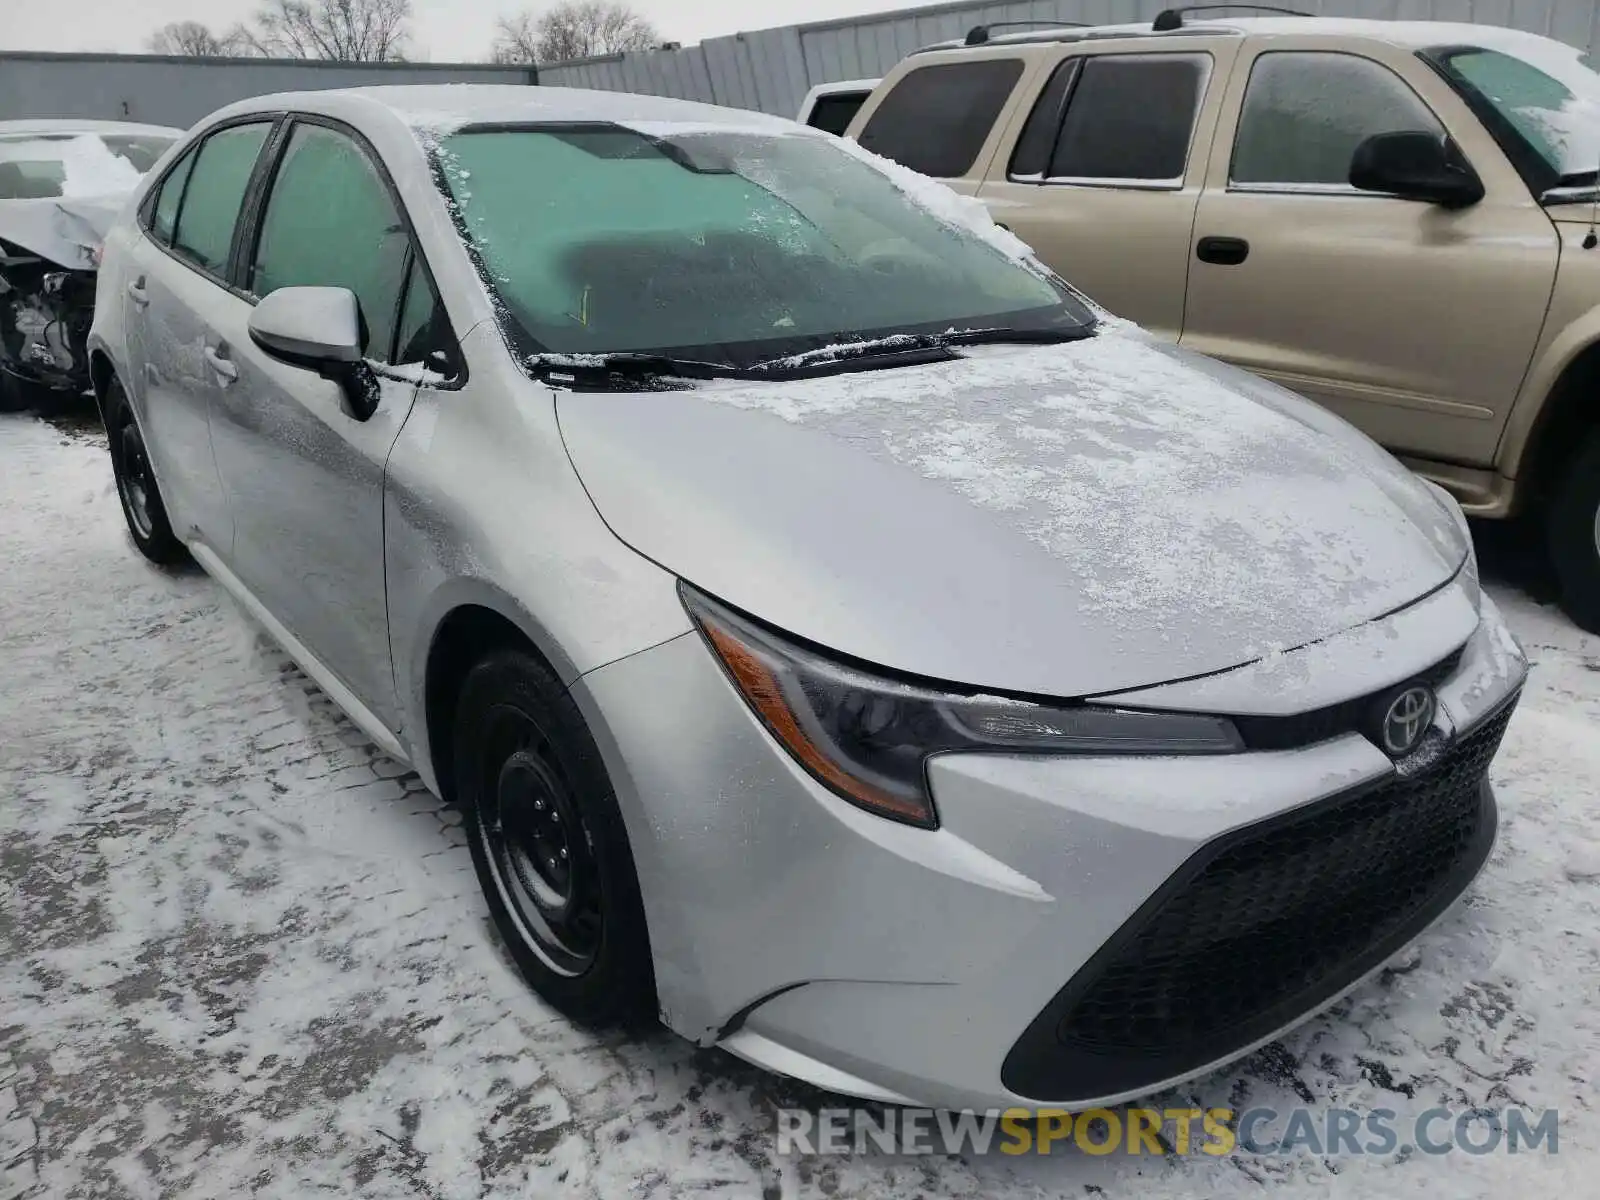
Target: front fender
[{"x": 1570, "y": 328}]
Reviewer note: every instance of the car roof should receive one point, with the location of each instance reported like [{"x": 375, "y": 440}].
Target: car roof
[
  {"x": 76, "y": 125},
  {"x": 445, "y": 106},
  {"x": 1411, "y": 35}
]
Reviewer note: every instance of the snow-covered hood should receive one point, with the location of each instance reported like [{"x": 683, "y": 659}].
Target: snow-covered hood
[
  {"x": 64, "y": 229},
  {"x": 1062, "y": 520}
]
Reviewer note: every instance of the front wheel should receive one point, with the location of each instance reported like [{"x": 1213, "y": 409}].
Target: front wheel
[
  {"x": 548, "y": 842},
  {"x": 1573, "y": 531},
  {"x": 142, "y": 506}
]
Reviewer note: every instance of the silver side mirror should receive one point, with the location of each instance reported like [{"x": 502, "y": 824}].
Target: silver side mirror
[
  {"x": 319, "y": 328},
  {"x": 309, "y": 326}
]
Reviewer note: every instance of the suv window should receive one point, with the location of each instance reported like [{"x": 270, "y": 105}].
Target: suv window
[
  {"x": 936, "y": 118},
  {"x": 1305, "y": 112},
  {"x": 209, "y": 209},
  {"x": 833, "y": 113},
  {"x": 1114, "y": 117},
  {"x": 164, "y": 216},
  {"x": 330, "y": 222}
]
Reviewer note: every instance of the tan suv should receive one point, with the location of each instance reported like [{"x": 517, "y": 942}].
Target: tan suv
[{"x": 1394, "y": 218}]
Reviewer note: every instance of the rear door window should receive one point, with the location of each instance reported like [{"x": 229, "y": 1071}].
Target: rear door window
[
  {"x": 210, "y": 207},
  {"x": 936, "y": 118},
  {"x": 1115, "y": 118},
  {"x": 331, "y": 222}
]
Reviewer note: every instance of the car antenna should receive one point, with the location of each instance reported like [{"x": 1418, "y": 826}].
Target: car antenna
[
  {"x": 1169, "y": 19},
  {"x": 979, "y": 34}
]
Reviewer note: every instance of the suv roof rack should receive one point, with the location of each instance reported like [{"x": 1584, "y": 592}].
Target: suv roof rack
[
  {"x": 1169, "y": 19},
  {"x": 979, "y": 34}
]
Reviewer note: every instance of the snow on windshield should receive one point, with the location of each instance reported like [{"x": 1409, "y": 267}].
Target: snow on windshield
[
  {"x": 1545, "y": 88},
  {"x": 82, "y": 165}
]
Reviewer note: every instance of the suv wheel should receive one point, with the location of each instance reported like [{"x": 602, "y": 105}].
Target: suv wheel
[
  {"x": 142, "y": 506},
  {"x": 1573, "y": 530},
  {"x": 548, "y": 842}
]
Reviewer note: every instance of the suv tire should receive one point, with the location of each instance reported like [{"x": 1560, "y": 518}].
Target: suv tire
[
  {"x": 548, "y": 843},
  {"x": 1573, "y": 533}
]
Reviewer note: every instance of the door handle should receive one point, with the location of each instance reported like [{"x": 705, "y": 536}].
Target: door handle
[
  {"x": 1223, "y": 251},
  {"x": 220, "y": 364},
  {"x": 136, "y": 290}
]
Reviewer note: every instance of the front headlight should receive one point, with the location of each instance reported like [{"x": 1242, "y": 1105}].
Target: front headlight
[{"x": 869, "y": 739}]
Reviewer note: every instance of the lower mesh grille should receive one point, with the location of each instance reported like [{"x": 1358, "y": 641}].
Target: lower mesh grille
[{"x": 1261, "y": 925}]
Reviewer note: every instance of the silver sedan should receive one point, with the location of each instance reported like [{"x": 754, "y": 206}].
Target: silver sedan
[{"x": 844, "y": 641}]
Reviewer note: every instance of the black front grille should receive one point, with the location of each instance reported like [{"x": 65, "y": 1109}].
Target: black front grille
[
  {"x": 1262, "y": 925},
  {"x": 1305, "y": 729}
]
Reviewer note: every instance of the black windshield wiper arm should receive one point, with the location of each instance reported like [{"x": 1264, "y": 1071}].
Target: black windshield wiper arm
[
  {"x": 576, "y": 368},
  {"x": 1032, "y": 337}
]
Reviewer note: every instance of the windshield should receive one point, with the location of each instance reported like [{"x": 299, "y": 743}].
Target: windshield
[
  {"x": 727, "y": 247},
  {"x": 41, "y": 166},
  {"x": 1545, "y": 90}
]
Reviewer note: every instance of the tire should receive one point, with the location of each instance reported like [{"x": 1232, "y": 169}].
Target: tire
[
  {"x": 15, "y": 394},
  {"x": 1573, "y": 532},
  {"x": 549, "y": 845},
  {"x": 142, "y": 506}
]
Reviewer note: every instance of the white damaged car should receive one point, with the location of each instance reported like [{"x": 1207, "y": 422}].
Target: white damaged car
[{"x": 61, "y": 184}]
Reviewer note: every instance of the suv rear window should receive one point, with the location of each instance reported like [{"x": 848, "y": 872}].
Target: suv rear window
[
  {"x": 1114, "y": 117},
  {"x": 936, "y": 118}
]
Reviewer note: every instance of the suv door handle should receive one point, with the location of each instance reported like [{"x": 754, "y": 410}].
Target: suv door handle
[
  {"x": 136, "y": 290},
  {"x": 219, "y": 363},
  {"x": 1223, "y": 251}
]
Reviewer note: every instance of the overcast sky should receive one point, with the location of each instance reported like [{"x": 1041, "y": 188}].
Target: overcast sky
[{"x": 442, "y": 30}]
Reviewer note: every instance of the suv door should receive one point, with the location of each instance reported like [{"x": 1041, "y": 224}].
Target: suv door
[
  {"x": 177, "y": 277},
  {"x": 1413, "y": 321},
  {"x": 305, "y": 477},
  {"x": 1103, "y": 176}
]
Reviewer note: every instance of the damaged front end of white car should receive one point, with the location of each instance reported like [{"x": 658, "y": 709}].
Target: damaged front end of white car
[{"x": 60, "y": 189}]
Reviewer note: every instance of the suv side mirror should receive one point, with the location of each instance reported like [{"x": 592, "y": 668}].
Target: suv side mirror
[
  {"x": 319, "y": 329},
  {"x": 1415, "y": 165}
]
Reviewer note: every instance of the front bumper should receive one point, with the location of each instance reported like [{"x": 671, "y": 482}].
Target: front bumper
[{"x": 954, "y": 967}]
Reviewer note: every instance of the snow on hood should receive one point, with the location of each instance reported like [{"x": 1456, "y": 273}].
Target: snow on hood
[
  {"x": 1064, "y": 520},
  {"x": 65, "y": 231}
]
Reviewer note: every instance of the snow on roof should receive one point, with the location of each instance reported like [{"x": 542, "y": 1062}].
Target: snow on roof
[
  {"x": 59, "y": 125},
  {"x": 1410, "y": 34},
  {"x": 441, "y": 107}
]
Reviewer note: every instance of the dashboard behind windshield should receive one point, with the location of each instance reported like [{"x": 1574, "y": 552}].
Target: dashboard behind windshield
[{"x": 723, "y": 246}]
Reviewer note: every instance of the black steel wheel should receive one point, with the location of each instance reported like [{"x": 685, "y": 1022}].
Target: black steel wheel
[
  {"x": 142, "y": 505},
  {"x": 548, "y": 842}
]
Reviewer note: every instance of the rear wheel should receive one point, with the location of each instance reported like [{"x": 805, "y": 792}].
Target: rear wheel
[
  {"x": 548, "y": 842},
  {"x": 142, "y": 506},
  {"x": 15, "y": 394},
  {"x": 1573, "y": 530}
]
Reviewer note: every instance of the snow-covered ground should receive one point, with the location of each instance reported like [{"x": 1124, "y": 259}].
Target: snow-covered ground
[{"x": 242, "y": 953}]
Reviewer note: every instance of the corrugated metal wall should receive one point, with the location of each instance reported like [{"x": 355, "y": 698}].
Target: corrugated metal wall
[
  {"x": 773, "y": 69},
  {"x": 179, "y": 91}
]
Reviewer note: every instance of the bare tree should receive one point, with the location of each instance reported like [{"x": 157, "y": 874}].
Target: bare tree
[
  {"x": 339, "y": 30},
  {"x": 192, "y": 39},
  {"x": 572, "y": 29}
]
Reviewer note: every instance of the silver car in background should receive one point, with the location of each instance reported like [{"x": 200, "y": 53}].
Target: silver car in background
[{"x": 843, "y": 640}]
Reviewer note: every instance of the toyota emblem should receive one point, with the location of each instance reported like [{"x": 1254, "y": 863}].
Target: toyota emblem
[{"x": 1407, "y": 719}]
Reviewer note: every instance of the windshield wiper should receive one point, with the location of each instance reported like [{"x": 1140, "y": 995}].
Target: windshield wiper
[
  {"x": 900, "y": 347},
  {"x": 1001, "y": 334},
  {"x": 638, "y": 368}
]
